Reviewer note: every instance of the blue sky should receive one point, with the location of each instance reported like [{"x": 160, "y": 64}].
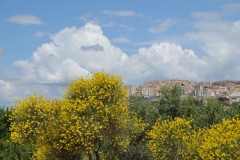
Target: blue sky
[{"x": 46, "y": 44}]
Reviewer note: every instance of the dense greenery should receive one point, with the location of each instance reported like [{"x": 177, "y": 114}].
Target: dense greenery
[
  {"x": 96, "y": 120},
  {"x": 8, "y": 149}
]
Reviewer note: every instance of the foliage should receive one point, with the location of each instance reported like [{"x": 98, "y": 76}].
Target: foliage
[
  {"x": 233, "y": 110},
  {"x": 188, "y": 107},
  {"x": 13, "y": 151},
  {"x": 8, "y": 149},
  {"x": 91, "y": 121},
  {"x": 136, "y": 150},
  {"x": 221, "y": 141},
  {"x": 204, "y": 112},
  {"x": 209, "y": 112},
  {"x": 144, "y": 109},
  {"x": 177, "y": 139},
  {"x": 96, "y": 120},
  {"x": 4, "y": 123},
  {"x": 223, "y": 99},
  {"x": 167, "y": 139},
  {"x": 170, "y": 100}
]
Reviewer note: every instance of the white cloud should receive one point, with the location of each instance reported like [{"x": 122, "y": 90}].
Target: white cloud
[
  {"x": 73, "y": 52},
  {"x": 25, "y": 20},
  {"x": 39, "y": 34},
  {"x": 207, "y": 15},
  {"x": 77, "y": 52},
  {"x": 220, "y": 41},
  {"x": 10, "y": 91},
  {"x": 163, "y": 61},
  {"x": 121, "y": 40},
  {"x": 165, "y": 25},
  {"x": 121, "y": 13},
  {"x": 88, "y": 18},
  {"x": 6, "y": 94},
  {"x": 6, "y": 87}
]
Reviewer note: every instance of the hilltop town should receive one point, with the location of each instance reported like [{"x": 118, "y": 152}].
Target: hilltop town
[{"x": 201, "y": 90}]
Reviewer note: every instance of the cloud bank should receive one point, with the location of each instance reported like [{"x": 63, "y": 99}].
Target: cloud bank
[{"x": 75, "y": 52}]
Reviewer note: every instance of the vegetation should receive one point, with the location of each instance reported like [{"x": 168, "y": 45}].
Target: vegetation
[
  {"x": 8, "y": 149},
  {"x": 96, "y": 120}
]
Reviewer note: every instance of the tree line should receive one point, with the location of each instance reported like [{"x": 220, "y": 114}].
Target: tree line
[{"x": 96, "y": 120}]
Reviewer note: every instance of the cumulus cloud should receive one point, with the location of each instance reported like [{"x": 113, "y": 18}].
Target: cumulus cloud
[
  {"x": 25, "y": 20},
  {"x": 96, "y": 47},
  {"x": 165, "y": 25},
  {"x": 6, "y": 87},
  {"x": 219, "y": 41},
  {"x": 76, "y": 52},
  {"x": 163, "y": 61},
  {"x": 5, "y": 96},
  {"x": 121, "y": 13},
  {"x": 11, "y": 91},
  {"x": 73, "y": 52}
]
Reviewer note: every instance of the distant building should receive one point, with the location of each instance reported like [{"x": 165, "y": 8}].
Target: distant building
[
  {"x": 198, "y": 90},
  {"x": 201, "y": 90},
  {"x": 234, "y": 97},
  {"x": 134, "y": 91},
  {"x": 147, "y": 92},
  {"x": 208, "y": 93}
]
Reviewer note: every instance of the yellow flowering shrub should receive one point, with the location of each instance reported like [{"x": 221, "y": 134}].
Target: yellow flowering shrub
[
  {"x": 92, "y": 120},
  {"x": 167, "y": 139},
  {"x": 176, "y": 139},
  {"x": 221, "y": 141},
  {"x": 105, "y": 99}
]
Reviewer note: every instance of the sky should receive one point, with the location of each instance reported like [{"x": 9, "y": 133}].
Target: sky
[{"x": 44, "y": 45}]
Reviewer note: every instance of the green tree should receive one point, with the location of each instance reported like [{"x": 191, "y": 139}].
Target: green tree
[
  {"x": 145, "y": 109},
  {"x": 4, "y": 123},
  {"x": 233, "y": 110},
  {"x": 170, "y": 98},
  {"x": 209, "y": 112},
  {"x": 188, "y": 107},
  {"x": 8, "y": 149}
]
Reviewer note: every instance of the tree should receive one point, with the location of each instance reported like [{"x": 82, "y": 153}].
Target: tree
[
  {"x": 144, "y": 109},
  {"x": 233, "y": 109},
  {"x": 188, "y": 107},
  {"x": 8, "y": 149},
  {"x": 220, "y": 141},
  {"x": 168, "y": 138},
  {"x": 92, "y": 120},
  {"x": 148, "y": 112},
  {"x": 179, "y": 139},
  {"x": 106, "y": 99},
  {"x": 4, "y": 123},
  {"x": 208, "y": 112},
  {"x": 170, "y": 100}
]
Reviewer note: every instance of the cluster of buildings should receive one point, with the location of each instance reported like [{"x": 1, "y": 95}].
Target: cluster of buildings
[{"x": 201, "y": 90}]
